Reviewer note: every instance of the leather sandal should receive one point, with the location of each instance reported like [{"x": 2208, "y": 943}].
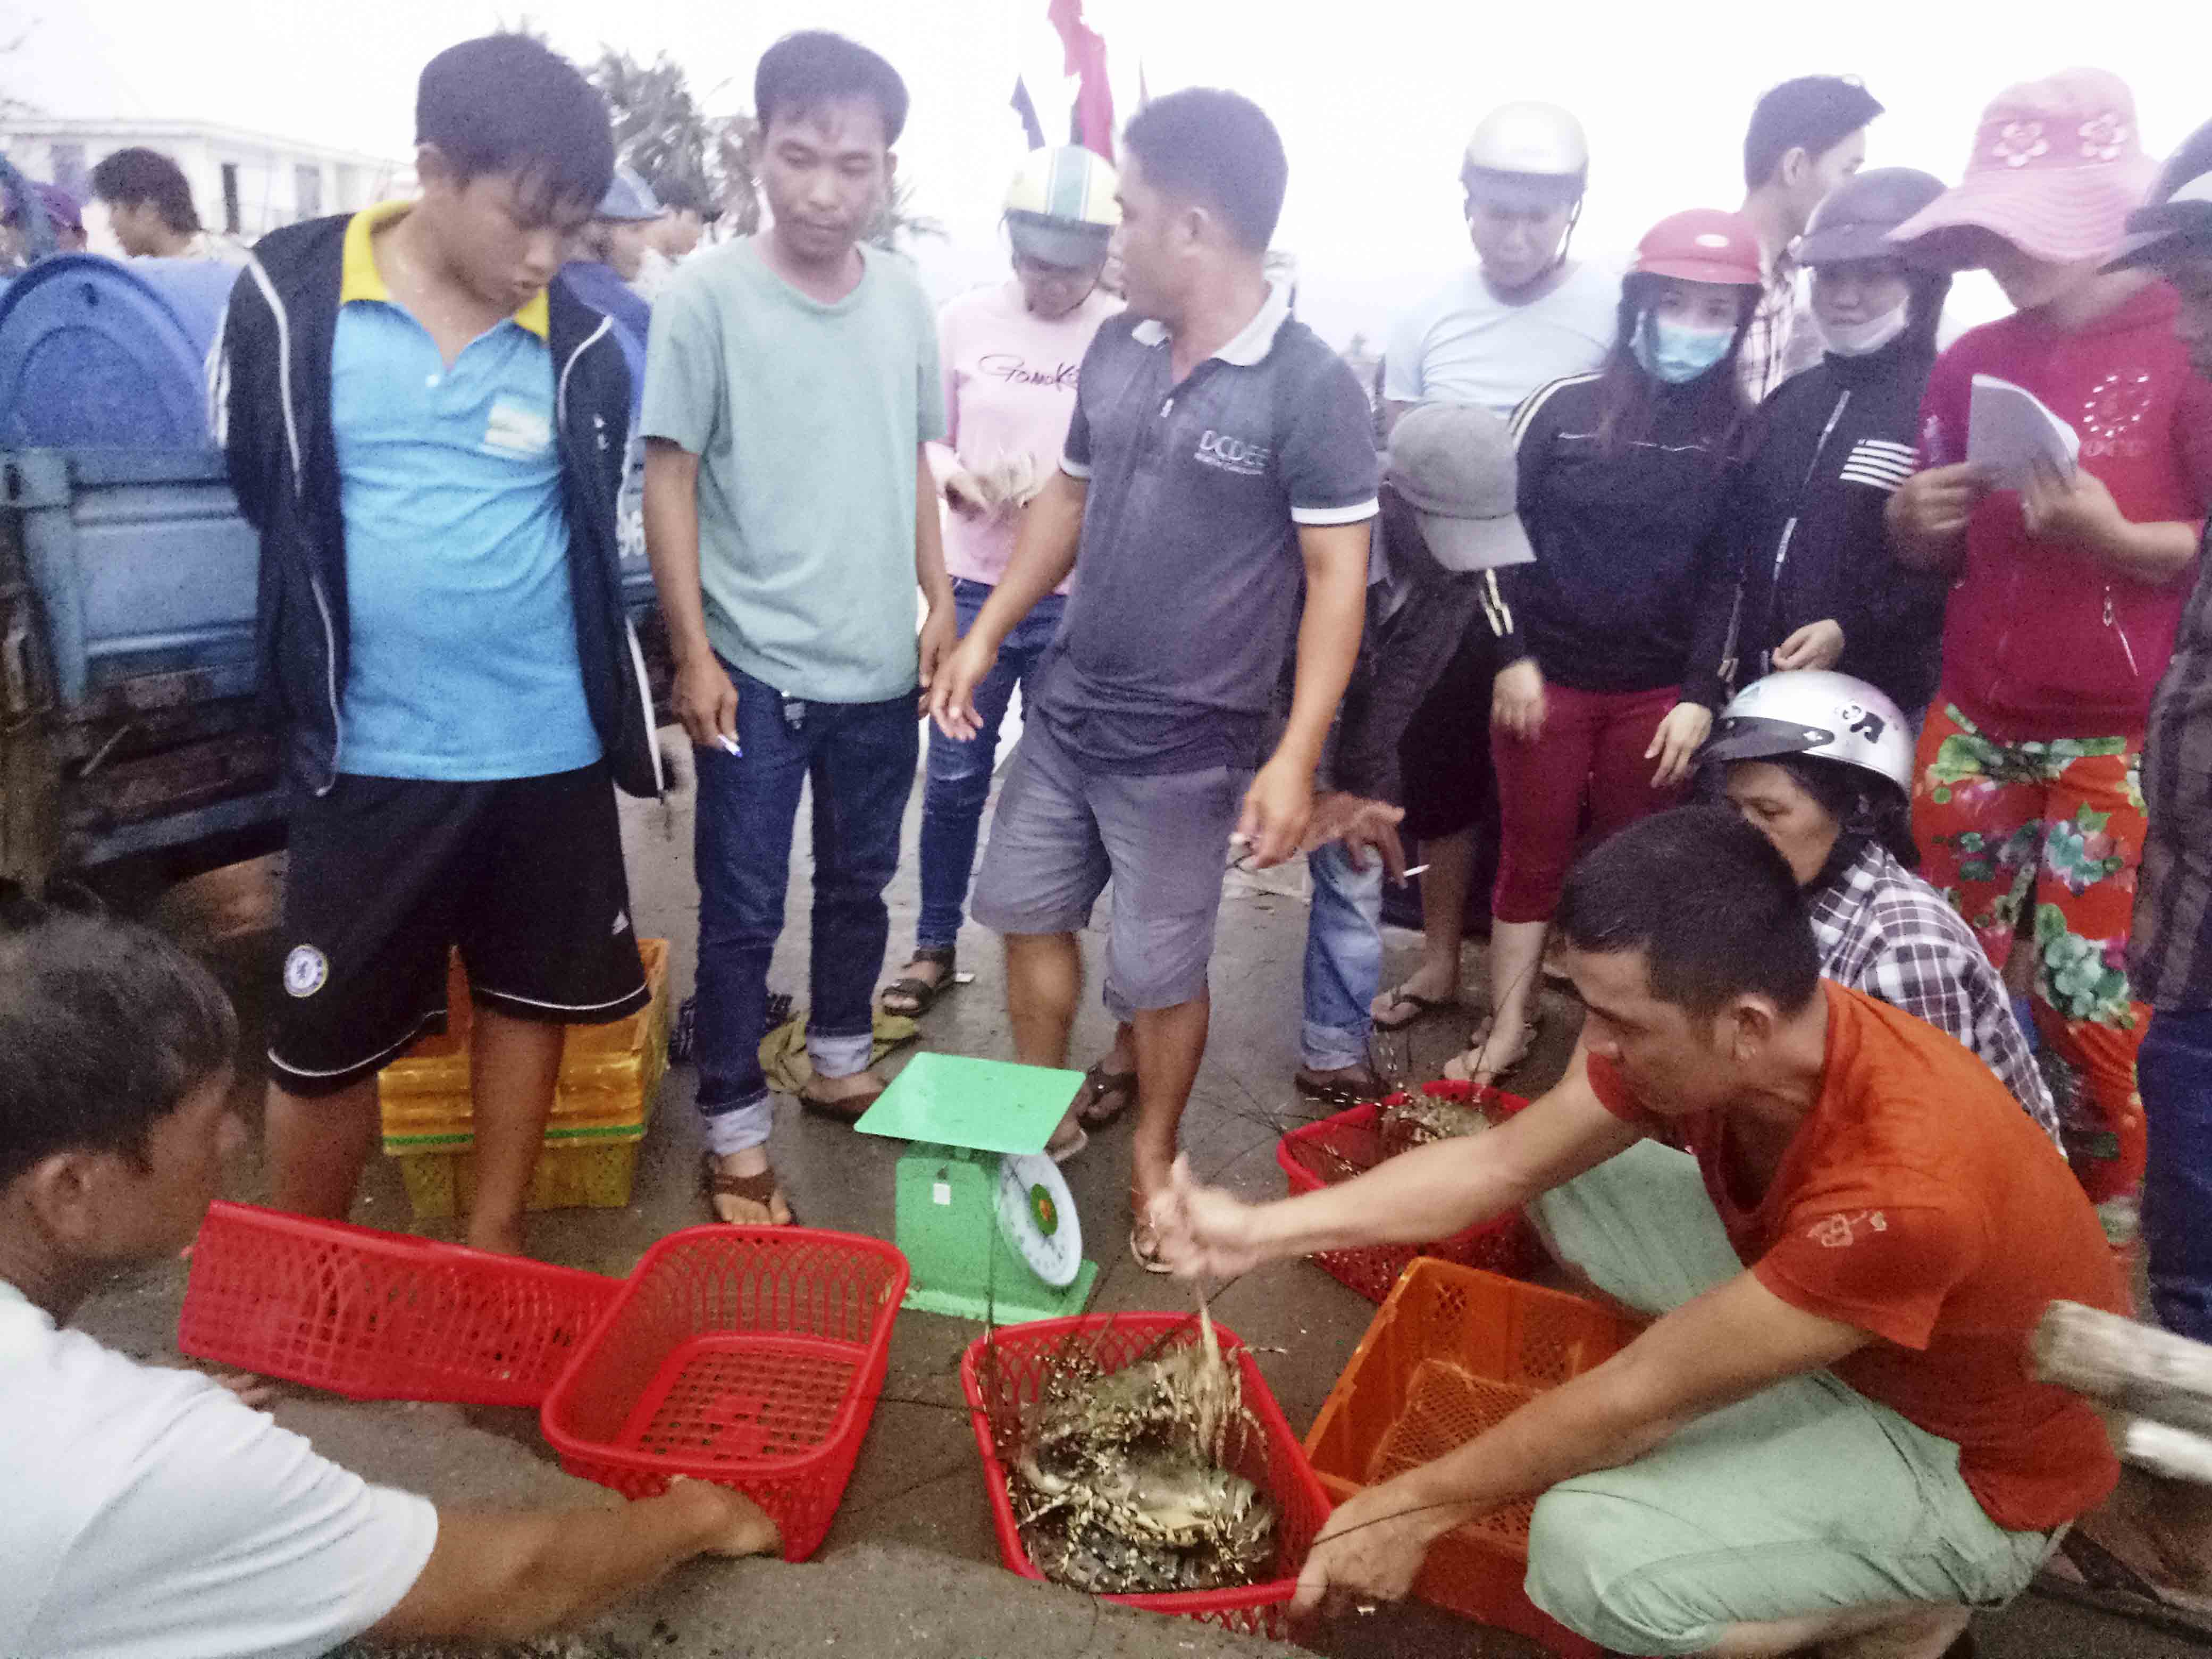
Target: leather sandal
[
  {"x": 764, "y": 1189},
  {"x": 1100, "y": 1084},
  {"x": 847, "y": 1110},
  {"x": 919, "y": 995}
]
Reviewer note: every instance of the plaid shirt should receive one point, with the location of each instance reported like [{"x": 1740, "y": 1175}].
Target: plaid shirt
[
  {"x": 2170, "y": 949},
  {"x": 1781, "y": 337},
  {"x": 1883, "y": 931}
]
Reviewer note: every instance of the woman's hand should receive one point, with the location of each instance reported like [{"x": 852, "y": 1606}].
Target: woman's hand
[
  {"x": 1816, "y": 645},
  {"x": 2077, "y": 509},
  {"x": 1675, "y": 745},
  {"x": 1516, "y": 700}
]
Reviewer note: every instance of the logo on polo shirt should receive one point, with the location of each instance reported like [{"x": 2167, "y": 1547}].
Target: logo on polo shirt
[
  {"x": 1232, "y": 455},
  {"x": 1840, "y": 1232},
  {"x": 516, "y": 429}
]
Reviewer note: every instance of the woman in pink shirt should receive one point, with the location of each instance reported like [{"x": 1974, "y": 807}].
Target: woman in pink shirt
[
  {"x": 2068, "y": 591},
  {"x": 1010, "y": 353}
]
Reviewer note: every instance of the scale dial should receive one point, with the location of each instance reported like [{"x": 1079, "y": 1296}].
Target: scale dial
[{"x": 1037, "y": 1216}]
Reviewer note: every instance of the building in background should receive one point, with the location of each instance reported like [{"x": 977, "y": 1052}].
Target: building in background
[{"x": 245, "y": 183}]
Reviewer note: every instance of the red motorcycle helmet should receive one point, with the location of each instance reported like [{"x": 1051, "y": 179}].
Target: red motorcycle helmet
[{"x": 1703, "y": 245}]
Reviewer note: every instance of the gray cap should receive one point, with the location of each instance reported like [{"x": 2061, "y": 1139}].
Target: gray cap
[
  {"x": 1453, "y": 465},
  {"x": 1854, "y": 220},
  {"x": 629, "y": 198}
]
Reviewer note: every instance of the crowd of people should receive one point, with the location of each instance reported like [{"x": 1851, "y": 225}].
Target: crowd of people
[{"x": 1858, "y": 791}]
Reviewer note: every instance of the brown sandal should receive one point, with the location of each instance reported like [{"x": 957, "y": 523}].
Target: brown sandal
[
  {"x": 763, "y": 1189},
  {"x": 1101, "y": 1084}
]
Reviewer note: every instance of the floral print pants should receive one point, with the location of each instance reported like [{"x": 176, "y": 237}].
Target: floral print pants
[{"x": 2051, "y": 830}]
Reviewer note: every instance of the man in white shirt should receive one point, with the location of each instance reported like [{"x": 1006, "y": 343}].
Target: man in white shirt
[
  {"x": 150, "y": 1514},
  {"x": 1525, "y": 313}
]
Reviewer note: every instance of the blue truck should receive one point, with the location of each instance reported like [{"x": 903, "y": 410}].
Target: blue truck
[{"x": 133, "y": 747}]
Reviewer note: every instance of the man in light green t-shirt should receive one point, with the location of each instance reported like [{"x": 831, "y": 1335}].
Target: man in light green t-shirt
[{"x": 791, "y": 382}]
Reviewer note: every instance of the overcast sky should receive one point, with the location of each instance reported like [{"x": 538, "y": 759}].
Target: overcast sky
[{"x": 1374, "y": 98}]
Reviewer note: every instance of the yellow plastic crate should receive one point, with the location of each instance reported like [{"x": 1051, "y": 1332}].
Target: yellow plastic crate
[{"x": 602, "y": 1102}]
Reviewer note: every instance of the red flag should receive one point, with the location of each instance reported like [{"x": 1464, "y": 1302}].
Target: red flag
[{"x": 1086, "y": 58}]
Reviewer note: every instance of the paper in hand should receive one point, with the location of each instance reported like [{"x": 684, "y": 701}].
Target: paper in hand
[{"x": 2009, "y": 430}]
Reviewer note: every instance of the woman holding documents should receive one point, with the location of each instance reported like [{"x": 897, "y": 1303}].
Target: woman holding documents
[
  {"x": 2070, "y": 530},
  {"x": 1819, "y": 589}
]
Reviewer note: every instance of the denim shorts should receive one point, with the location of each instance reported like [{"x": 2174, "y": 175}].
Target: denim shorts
[{"x": 1062, "y": 831}]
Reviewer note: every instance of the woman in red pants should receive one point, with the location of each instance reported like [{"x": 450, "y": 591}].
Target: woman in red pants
[
  {"x": 1612, "y": 640},
  {"x": 2027, "y": 801}
]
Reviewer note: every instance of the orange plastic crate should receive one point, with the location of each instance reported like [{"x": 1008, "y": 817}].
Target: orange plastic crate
[
  {"x": 1453, "y": 1351},
  {"x": 749, "y": 1356},
  {"x": 1349, "y": 1144}
]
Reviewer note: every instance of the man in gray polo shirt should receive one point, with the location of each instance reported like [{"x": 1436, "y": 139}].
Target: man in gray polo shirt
[{"x": 1219, "y": 456}]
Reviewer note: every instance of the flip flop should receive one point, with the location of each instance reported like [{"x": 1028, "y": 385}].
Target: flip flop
[
  {"x": 1099, "y": 1083},
  {"x": 1457, "y": 1070},
  {"x": 1339, "y": 1093},
  {"x": 1144, "y": 1249},
  {"x": 848, "y": 1110},
  {"x": 1060, "y": 1152},
  {"x": 763, "y": 1189},
  {"x": 2101, "y": 1580},
  {"x": 1423, "y": 1007},
  {"x": 922, "y": 992}
]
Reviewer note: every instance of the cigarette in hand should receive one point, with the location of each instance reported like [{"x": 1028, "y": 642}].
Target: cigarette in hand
[
  {"x": 1411, "y": 873},
  {"x": 729, "y": 746}
]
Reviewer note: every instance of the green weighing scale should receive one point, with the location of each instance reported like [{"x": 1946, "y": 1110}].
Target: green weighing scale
[{"x": 985, "y": 1219}]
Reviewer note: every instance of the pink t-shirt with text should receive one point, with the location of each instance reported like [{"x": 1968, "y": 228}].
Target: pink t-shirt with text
[{"x": 1009, "y": 390}]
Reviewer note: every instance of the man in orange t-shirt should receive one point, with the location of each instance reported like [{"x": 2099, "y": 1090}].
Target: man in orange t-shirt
[{"x": 1837, "y": 1445}]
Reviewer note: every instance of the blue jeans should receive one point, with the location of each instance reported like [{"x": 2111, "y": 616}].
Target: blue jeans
[
  {"x": 2173, "y": 1070},
  {"x": 1344, "y": 959},
  {"x": 859, "y": 759},
  {"x": 959, "y": 781}
]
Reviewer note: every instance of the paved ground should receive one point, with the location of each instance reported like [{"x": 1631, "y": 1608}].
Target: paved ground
[{"x": 908, "y": 1572}]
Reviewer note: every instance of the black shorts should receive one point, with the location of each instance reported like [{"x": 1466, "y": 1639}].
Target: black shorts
[
  {"x": 386, "y": 875},
  {"x": 1443, "y": 759}
]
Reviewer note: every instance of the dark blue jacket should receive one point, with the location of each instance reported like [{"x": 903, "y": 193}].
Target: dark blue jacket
[{"x": 270, "y": 396}]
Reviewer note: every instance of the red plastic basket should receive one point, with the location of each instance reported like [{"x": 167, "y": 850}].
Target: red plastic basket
[
  {"x": 748, "y": 1356},
  {"x": 1337, "y": 1148},
  {"x": 377, "y": 1316},
  {"x": 1450, "y": 1353},
  {"x": 1004, "y": 1372}
]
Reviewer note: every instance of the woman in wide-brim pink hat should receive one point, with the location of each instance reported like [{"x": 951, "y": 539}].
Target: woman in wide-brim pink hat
[{"x": 2067, "y": 590}]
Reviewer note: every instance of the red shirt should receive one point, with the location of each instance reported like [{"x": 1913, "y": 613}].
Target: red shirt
[
  {"x": 2040, "y": 641},
  {"x": 1920, "y": 1204}
]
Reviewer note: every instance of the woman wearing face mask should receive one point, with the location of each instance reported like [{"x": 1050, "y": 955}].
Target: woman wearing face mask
[
  {"x": 1805, "y": 524},
  {"x": 1821, "y": 765},
  {"x": 1009, "y": 354},
  {"x": 2068, "y": 591},
  {"x": 1612, "y": 639}
]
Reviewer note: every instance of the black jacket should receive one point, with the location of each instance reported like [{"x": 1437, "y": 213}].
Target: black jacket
[
  {"x": 1805, "y": 526},
  {"x": 270, "y": 402},
  {"x": 1630, "y": 588}
]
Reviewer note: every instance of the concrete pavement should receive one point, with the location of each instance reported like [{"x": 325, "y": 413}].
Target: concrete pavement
[{"x": 909, "y": 1569}]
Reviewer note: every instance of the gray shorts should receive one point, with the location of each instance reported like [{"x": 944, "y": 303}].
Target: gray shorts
[{"x": 1062, "y": 831}]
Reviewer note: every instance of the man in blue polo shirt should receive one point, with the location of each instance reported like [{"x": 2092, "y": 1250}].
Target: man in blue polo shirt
[
  {"x": 430, "y": 441},
  {"x": 1220, "y": 455}
]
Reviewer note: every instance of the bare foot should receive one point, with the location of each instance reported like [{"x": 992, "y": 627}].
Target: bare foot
[{"x": 743, "y": 1209}]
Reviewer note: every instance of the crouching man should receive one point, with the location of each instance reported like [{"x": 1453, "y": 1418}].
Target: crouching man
[
  {"x": 149, "y": 1513},
  {"x": 1827, "y": 1438}
]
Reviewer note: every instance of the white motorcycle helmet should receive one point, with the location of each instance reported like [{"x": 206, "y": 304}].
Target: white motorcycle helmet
[
  {"x": 1529, "y": 154},
  {"x": 1817, "y": 714}
]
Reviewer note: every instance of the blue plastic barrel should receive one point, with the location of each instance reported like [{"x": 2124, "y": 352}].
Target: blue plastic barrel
[{"x": 96, "y": 352}]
